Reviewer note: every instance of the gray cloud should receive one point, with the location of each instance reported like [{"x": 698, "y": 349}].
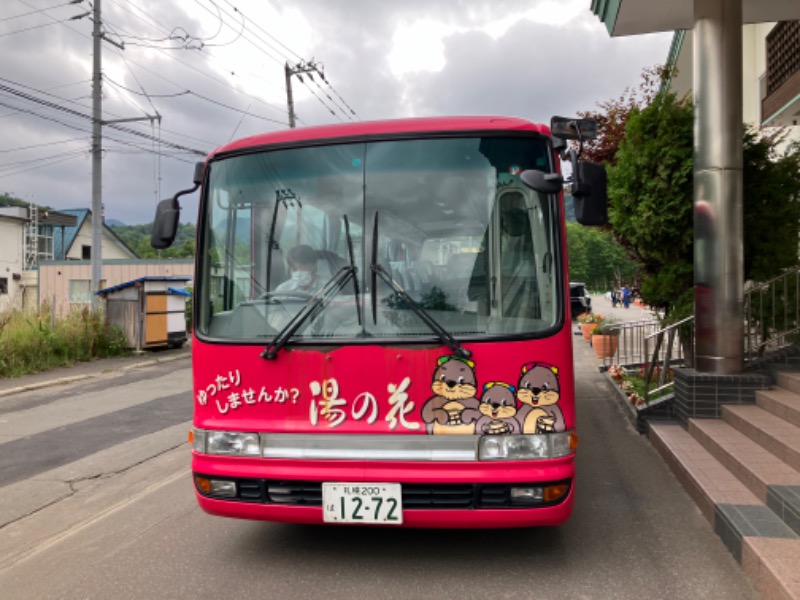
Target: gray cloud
[{"x": 533, "y": 71}]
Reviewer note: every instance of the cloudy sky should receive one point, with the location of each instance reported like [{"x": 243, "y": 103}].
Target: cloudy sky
[{"x": 214, "y": 71}]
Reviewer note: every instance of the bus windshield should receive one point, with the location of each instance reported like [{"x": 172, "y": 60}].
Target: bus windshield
[{"x": 446, "y": 220}]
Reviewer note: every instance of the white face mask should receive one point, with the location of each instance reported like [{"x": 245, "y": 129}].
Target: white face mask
[{"x": 302, "y": 278}]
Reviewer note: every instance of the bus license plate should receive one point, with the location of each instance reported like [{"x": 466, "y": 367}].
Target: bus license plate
[{"x": 362, "y": 503}]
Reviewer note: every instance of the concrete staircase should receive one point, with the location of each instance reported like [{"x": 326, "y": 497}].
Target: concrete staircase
[{"x": 743, "y": 471}]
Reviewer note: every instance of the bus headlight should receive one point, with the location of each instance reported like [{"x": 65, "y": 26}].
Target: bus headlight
[
  {"x": 526, "y": 447},
  {"x": 232, "y": 443}
]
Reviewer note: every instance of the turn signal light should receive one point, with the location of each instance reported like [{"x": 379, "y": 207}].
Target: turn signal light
[
  {"x": 553, "y": 493},
  {"x": 203, "y": 484}
]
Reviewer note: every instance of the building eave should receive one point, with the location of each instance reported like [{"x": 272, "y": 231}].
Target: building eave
[{"x": 626, "y": 17}]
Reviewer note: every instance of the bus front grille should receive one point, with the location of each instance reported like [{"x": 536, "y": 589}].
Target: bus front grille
[
  {"x": 415, "y": 496},
  {"x": 306, "y": 493}
]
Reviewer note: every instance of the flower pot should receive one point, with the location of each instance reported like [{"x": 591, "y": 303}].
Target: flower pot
[
  {"x": 586, "y": 330},
  {"x": 605, "y": 346}
]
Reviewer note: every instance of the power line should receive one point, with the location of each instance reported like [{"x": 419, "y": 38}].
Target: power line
[
  {"x": 196, "y": 95},
  {"x": 300, "y": 69},
  {"x": 81, "y": 105},
  {"x": 72, "y": 126},
  {"x": 259, "y": 47},
  {"x": 35, "y": 12},
  {"x": 203, "y": 73},
  {"x": 10, "y": 165},
  {"x": 216, "y": 80},
  {"x": 50, "y": 164},
  {"x": 76, "y": 113},
  {"x": 338, "y": 95},
  {"x": 128, "y": 5},
  {"x": 20, "y": 148},
  {"x": 221, "y": 24},
  {"x": 7, "y": 33},
  {"x": 301, "y": 61},
  {"x": 265, "y": 32},
  {"x": 327, "y": 95}
]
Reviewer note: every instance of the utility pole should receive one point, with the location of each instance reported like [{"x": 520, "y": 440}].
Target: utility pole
[
  {"x": 97, "y": 151},
  {"x": 97, "y": 157},
  {"x": 298, "y": 69}
]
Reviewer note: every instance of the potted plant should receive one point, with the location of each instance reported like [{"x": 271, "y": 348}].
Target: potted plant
[
  {"x": 588, "y": 322},
  {"x": 605, "y": 338}
]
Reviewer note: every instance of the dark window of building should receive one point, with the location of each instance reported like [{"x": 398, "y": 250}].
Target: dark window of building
[
  {"x": 3, "y": 285},
  {"x": 86, "y": 252}
]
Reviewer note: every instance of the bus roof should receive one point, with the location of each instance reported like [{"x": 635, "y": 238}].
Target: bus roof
[{"x": 387, "y": 127}]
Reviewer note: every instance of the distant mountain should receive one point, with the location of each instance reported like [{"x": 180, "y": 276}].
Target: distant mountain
[{"x": 115, "y": 223}]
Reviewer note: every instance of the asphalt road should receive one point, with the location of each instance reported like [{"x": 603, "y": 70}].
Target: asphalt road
[{"x": 96, "y": 501}]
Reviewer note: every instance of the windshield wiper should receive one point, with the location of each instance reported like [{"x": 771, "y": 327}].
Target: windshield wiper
[
  {"x": 444, "y": 336},
  {"x": 317, "y": 303},
  {"x": 351, "y": 256},
  {"x": 311, "y": 309},
  {"x": 378, "y": 271}
]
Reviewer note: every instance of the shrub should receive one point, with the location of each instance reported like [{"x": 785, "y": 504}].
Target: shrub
[
  {"x": 37, "y": 342},
  {"x": 605, "y": 327},
  {"x": 589, "y": 318}
]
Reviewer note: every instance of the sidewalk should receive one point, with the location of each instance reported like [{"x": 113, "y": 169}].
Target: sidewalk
[
  {"x": 602, "y": 305},
  {"x": 91, "y": 369}
]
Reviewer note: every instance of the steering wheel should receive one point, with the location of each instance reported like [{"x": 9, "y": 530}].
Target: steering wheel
[{"x": 288, "y": 295}]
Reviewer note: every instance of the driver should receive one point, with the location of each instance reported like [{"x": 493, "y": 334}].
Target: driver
[{"x": 302, "y": 261}]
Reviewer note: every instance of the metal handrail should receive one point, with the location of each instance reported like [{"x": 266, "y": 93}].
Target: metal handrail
[
  {"x": 771, "y": 313},
  {"x": 665, "y": 355}
]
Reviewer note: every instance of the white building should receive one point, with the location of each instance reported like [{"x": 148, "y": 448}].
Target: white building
[
  {"x": 12, "y": 260},
  {"x": 30, "y": 237},
  {"x": 770, "y": 73}
]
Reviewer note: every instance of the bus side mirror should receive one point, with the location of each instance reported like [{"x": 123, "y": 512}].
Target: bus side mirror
[
  {"x": 165, "y": 225},
  {"x": 539, "y": 181},
  {"x": 573, "y": 129},
  {"x": 590, "y": 193},
  {"x": 198, "y": 173}
]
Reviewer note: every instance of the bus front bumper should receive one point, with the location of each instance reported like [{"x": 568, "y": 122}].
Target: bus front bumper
[{"x": 477, "y": 494}]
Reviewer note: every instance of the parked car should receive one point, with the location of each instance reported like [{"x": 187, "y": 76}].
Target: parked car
[{"x": 579, "y": 299}]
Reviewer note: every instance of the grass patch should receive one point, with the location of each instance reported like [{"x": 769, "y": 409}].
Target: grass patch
[
  {"x": 30, "y": 343},
  {"x": 632, "y": 384}
]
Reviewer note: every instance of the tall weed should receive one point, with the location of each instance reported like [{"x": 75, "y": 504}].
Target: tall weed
[{"x": 36, "y": 342}]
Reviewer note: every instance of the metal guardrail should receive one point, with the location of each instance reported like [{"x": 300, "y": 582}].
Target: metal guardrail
[
  {"x": 772, "y": 321},
  {"x": 641, "y": 344},
  {"x": 631, "y": 346},
  {"x": 772, "y": 314}
]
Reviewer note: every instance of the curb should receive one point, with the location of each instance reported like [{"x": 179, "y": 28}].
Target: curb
[{"x": 74, "y": 378}]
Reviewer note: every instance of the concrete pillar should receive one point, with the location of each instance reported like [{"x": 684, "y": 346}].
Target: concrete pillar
[{"x": 718, "y": 252}]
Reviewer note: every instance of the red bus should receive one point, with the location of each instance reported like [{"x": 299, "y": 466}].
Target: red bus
[{"x": 381, "y": 323}]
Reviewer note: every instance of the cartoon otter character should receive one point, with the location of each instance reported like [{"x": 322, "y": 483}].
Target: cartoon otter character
[
  {"x": 498, "y": 409},
  {"x": 454, "y": 408},
  {"x": 539, "y": 392}
]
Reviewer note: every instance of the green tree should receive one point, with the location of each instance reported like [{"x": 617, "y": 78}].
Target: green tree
[
  {"x": 612, "y": 115},
  {"x": 650, "y": 194},
  {"x": 771, "y": 205},
  {"x": 137, "y": 237},
  {"x": 651, "y": 201},
  {"x": 596, "y": 258}
]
